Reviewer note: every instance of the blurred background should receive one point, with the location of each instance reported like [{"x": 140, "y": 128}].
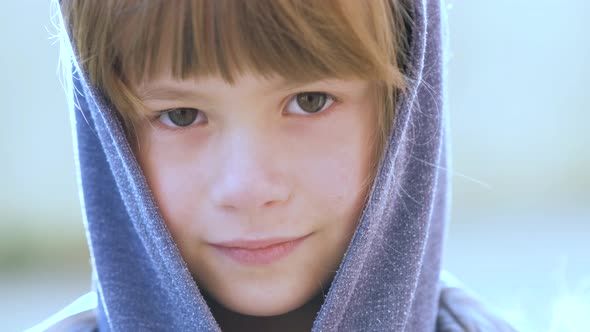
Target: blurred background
[{"x": 520, "y": 108}]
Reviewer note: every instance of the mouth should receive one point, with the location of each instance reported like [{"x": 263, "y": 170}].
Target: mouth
[{"x": 259, "y": 252}]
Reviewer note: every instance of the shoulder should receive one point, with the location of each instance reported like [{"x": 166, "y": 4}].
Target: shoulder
[
  {"x": 79, "y": 316},
  {"x": 460, "y": 311}
]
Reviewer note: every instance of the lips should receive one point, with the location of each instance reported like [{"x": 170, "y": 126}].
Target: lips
[
  {"x": 256, "y": 244},
  {"x": 260, "y": 251}
]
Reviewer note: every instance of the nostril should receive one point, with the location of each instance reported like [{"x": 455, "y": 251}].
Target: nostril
[{"x": 235, "y": 194}]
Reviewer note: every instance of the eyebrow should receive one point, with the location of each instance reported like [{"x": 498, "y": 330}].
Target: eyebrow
[{"x": 165, "y": 92}]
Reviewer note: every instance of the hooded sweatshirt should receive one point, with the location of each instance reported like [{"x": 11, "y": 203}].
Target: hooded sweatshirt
[{"x": 389, "y": 277}]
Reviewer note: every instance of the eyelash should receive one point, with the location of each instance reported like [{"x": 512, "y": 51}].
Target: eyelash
[
  {"x": 330, "y": 101},
  {"x": 172, "y": 126}
]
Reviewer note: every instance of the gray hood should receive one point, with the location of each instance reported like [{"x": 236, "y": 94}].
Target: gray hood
[{"x": 388, "y": 279}]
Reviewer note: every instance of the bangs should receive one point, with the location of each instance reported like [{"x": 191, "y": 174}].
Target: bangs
[{"x": 298, "y": 40}]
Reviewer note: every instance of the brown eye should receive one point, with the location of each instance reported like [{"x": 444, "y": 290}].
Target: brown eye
[
  {"x": 182, "y": 117},
  {"x": 311, "y": 102}
]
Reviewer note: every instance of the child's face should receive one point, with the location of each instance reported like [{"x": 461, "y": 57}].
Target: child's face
[{"x": 255, "y": 162}]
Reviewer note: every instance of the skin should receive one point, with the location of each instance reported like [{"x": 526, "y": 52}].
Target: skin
[{"x": 254, "y": 164}]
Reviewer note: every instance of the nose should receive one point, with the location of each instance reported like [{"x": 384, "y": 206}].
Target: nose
[{"x": 249, "y": 177}]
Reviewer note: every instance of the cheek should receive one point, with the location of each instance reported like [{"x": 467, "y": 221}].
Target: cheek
[
  {"x": 334, "y": 179},
  {"x": 172, "y": 174},
  {"x": 334, "y": 159}
]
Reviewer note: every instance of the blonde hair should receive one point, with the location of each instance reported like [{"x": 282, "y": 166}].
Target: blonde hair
[{"x": 119, "y": 42}]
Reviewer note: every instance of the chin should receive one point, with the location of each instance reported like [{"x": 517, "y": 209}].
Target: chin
[
  {"x": 260, "y": 309},
  {"x": 264, "y": 305},
  {"x": 262, "y": 300}
]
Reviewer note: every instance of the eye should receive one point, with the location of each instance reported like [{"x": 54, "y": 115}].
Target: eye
[
  {"x": 179, "y": 117},
  {"x": 309, "y": 102}
]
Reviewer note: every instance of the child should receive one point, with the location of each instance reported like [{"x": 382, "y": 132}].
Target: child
[{"x": 262, "y": 166}]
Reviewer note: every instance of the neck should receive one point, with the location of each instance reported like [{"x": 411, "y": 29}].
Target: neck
[{"x": 298, "y": 320}]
